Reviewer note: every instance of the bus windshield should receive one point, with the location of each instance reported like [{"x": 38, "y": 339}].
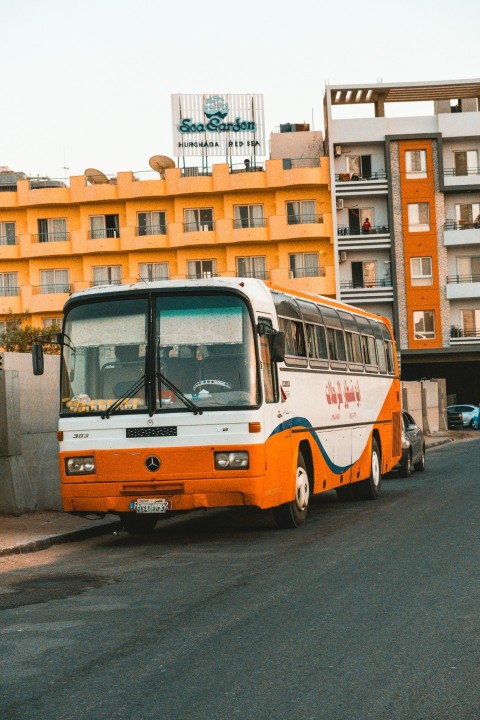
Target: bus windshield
[
  {"x": 204, "y": 355},
  {"x": 205, "y": 348}
]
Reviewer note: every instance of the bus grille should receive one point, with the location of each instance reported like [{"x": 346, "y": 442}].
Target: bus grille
[
  {"x": 165, "y": 431},
  {"x": 397, "y": 434}
]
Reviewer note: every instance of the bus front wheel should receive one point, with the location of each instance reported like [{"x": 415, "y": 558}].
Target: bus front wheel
[
  {"x": 293, "y": 514},
  {"x": 138, "y": 524},
  {"x": 369, "y": 489}
]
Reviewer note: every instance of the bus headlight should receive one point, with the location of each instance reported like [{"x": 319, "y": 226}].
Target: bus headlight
[
  {"x": 235, "y": 460},
  {"x": 84, "y": 465}
]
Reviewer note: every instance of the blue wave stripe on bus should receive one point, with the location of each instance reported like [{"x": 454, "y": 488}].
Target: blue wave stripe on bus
[{"x": 296, "y": 422}]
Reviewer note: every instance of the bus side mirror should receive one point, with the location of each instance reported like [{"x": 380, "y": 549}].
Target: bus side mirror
[
  {"x": 37, "y": 358},
  {"x": 277, "y": 347}
]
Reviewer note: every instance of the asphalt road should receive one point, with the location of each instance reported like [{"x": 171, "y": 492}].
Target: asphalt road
[{"x": 368, "y": 612}]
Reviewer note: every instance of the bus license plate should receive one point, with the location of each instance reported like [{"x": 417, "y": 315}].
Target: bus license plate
[{"x": 151, "y": 505}]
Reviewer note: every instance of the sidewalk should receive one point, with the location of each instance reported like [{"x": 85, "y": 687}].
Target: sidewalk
[{"x": 37, "y": 531}]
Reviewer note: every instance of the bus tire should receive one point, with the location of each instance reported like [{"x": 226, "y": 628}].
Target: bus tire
[
  {"x": 293, "y": 514},
  {"x": 369, "y": 489},
  {"x": 138, "y": 524}
]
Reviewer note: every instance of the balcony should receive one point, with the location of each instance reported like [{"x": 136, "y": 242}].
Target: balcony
[
  {"x": 205, "y": 226},
  {"x": 464, "y": 337},
  {"x": 461, "y": 233},
  {"x": 102, "y": 233},
  {"x": 258, "y": 274},
  {"x": 460, "y": 287},
  {"x": 454, "y": 179},
  {"x": 45, "y": 237},
  {"x": 140, "y": 231},
  {"x": 306, "y": 272},
  {"x": 368, "y": 292},
  {"x": 376, "y": 239},
  {"x": 241, "y": 223},
  {"x": 350, "y": 185},
  {"x": 51, "y": 289}
]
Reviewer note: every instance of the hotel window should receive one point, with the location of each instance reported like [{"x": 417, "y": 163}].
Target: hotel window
[
  {"x": 248, "y": 216},
  {"x": 104, "y": 226},
  {"x": 198, "y": 269},
  {"x": 198, "y": 219},
  {"x": 301, "y": 212},
  {"x": 153, "y": 271},
  {"x": 254, "y": 266},
  {"x": 107, "y": 275},
  {"x": 421, "y": 270},
  {"x": 151, "y": 223},
  {"x": 364, "y": 274},
  {"x": 55, "y": 322},
  {"x": 416, "y": 164},
  {"x": 7, "y": 233},
  {"x": 468, "y": 269},
  {"x": 52, "y": 229},
  {"x": 54, "y": 281},
  {"x": 424, "y": 324},
  {"x": 467, "y": 216},
  {"x": 418, "y": 217},
  {"x": 303, "y": 265},
  {"x": 9, "y": 284},
  {"x": 470, "y": 323},
  {"x": 466, "y": 162}
]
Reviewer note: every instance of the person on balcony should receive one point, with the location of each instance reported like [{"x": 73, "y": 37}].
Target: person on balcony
[{"x": 366, "y": 227}]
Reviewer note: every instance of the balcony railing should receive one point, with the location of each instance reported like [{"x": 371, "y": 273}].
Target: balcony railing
[
  {"x": 304, "y": 219},
  {"x": 246, "y": 166},
  {"x": 304, "y": 272},
  {"x": 459, "y": 333},
  {"x": 51, "y": 288},
  {"x": 376, "y": 229},
  {"x": 201, "y": 275},
  {"x": 9, "y": 291},
  {"x": 351, "y": 284},
  {"x": 104, "y": 233},
  {"x": 196, "y": 172},
  {"x": 259, "y": 274},
  {"x": 59, "y": 236},
  {"x": 454, "y": 279},
  {"x": 8, "y": 187},
  {"x": 352, "y": 177},
  {"x": 8, "y": 240},
  {"x": 151, "y": 230},
  {"x": 98, "y": 283},
  {"x": 240, "y": 223},
  {"x": 461, "y": 225},
  {"x": 205, "y": 226},
  {"x": 461, "y": 173}
]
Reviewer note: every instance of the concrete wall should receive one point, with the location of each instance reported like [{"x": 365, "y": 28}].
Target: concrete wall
[
  {"x": 29, "y": 477},
  {"x": 427, "y": 402}
]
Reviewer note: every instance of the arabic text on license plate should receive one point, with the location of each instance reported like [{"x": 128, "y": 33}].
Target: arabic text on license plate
[{"x": 151, "y": 505}]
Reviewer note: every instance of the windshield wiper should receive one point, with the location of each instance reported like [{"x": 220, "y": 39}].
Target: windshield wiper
[
  {"x": 194, "y": 408},
  {"x": 117, "y": 403}
]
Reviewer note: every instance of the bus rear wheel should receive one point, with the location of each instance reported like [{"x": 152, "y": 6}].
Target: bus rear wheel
[
  {"x": 369, "y": 489},
  {"x": 138, "y": 524},
  {"x": 293, "y": 514}
]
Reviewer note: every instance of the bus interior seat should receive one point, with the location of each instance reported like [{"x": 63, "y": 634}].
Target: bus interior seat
[{"x": 117, "y": 378}]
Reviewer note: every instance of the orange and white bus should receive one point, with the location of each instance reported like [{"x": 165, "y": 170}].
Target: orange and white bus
[{"x": 221, "y": 392}]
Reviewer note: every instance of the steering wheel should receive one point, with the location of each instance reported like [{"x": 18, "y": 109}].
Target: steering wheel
[{"x": 207, "y": 384}]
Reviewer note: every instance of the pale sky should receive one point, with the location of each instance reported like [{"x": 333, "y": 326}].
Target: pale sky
[{"x": 88, "y": 83}]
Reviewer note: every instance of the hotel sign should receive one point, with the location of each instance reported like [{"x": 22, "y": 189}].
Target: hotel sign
[{"x": 213, "y": 124}]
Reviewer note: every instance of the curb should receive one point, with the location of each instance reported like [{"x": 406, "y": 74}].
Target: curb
[{"x": 71, "y": 536}]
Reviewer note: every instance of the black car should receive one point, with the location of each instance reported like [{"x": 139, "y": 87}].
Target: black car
[{"x": 413, "y": 447}]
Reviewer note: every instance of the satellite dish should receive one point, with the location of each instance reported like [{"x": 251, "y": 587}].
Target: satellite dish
[
  {"x": 160, "y": 163},
  {"x": 96, "y": 177}
]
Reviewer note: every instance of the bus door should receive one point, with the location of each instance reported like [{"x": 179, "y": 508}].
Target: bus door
[{"x": 275, "y": 417}]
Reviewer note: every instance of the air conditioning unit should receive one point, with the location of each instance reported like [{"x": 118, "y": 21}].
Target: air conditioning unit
[
  {"x": 339, "y": 203},
  {"x": 337, "y": 150},
  {"x": 342, "y": 256}
]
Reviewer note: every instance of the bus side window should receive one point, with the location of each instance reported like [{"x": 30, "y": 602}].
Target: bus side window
[
  {"x": 390, "y": 362},
  {"x": 294, "y": 338},
  {"x": 332, "y": 351},
  {"x": 382, "y": 358}
]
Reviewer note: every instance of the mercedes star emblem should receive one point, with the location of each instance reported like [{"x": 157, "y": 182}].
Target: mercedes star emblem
[{"x": 152, "y": 463}]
